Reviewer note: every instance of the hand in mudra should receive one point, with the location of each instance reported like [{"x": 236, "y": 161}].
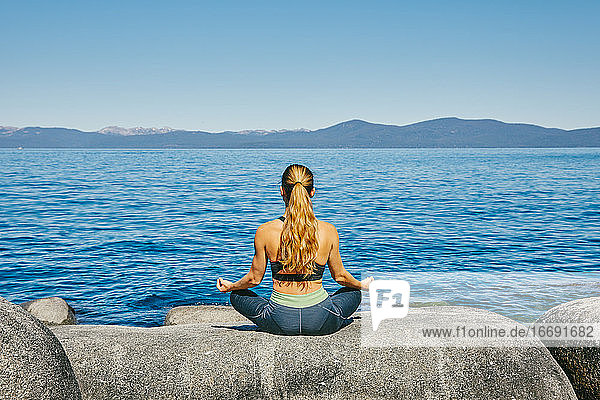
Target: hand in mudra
[
  {"x": 224, "y": 285},
  {"x": 366, "y": 282}
]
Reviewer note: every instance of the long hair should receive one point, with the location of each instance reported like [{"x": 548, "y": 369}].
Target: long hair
[{"x": 298, "y": 244}]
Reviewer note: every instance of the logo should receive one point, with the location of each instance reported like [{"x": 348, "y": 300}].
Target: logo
[{"x": 389, "y": 299}]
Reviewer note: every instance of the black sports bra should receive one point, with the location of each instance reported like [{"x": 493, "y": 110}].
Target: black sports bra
[{"x": 276, "y": 268}]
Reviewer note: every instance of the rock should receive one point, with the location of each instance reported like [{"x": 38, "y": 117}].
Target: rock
[
  {"x": 580, "y": 363},
  {"x": 428, "y": 303},
  {"x": 202, "y": 315},
  {"x": 33, "y": 364},
  {"x": 216, "y": 360},
  {"x": 51, "y": 311}
]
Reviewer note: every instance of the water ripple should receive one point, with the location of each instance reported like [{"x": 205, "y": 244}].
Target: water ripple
[{"x": 124, "y": 235}]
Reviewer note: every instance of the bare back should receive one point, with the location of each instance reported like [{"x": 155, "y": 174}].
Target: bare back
[{"x": 327, "y": 238}]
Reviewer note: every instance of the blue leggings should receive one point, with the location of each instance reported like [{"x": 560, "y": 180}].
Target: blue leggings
[{"x": 323, "y": 318}]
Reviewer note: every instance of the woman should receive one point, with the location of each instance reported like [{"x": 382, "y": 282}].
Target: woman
[{"x": 298, "y": 246}]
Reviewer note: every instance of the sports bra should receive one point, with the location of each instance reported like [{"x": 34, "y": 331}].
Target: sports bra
[{"x": 276, "y": 268}]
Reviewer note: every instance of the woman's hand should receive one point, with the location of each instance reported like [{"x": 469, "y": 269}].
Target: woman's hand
[
  {"x": 364, "y": 284},
  {"x": 224, "y": 285}
]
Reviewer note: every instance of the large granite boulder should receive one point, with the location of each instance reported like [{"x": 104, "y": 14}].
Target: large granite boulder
[
  {"x": 51, "y": 311},
  {"x": 581, "y": 363},
  {"x": 33, "y": 364},
  {"x": 235, "y": 361},
  {"x": 202, "y": 315}
]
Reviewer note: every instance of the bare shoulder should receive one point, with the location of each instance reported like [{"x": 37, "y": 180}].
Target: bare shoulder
[
  {"x": 269, "y": 227},
  {"x": 327, "y": 228}
]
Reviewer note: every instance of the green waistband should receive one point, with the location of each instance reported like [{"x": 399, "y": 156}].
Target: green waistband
[{"x": 299, "y": 300}]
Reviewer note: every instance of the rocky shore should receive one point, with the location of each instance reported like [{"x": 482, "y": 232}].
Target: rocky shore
[
  {"x": 33, "y": 364},
  {"x": 580, "y": 363},
  {"x": 210, "y": 352}
]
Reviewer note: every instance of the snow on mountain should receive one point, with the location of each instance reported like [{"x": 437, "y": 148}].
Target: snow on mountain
[
  {"x": 267, "y": 132},
  {"x": 6, "y": 130},
  {"x": 117, "y": 130}
]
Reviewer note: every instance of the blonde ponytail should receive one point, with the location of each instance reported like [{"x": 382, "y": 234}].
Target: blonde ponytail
[{"x": 298, "y": 244}]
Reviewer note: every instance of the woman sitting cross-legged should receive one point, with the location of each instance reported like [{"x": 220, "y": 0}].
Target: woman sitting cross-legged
[{"x": 298, "y": 246}]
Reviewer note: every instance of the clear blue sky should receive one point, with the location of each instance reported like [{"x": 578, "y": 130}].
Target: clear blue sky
[{"x": 227, "y": 65}]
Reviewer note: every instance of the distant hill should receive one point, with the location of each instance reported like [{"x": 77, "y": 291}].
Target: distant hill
[{"x": 443, "y": 132}]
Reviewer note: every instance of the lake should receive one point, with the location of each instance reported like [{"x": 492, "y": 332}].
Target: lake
[{"x": 125, "y": 235}]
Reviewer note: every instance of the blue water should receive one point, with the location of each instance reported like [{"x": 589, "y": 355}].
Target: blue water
[{"x": 124, "y": 235}]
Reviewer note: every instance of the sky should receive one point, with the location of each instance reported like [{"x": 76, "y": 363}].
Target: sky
[{"x": 228, "y": 65}]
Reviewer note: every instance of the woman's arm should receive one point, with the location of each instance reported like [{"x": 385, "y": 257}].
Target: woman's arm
[
  {"x": 257, "y": 269},
  {"x": 337, "y": 270}
]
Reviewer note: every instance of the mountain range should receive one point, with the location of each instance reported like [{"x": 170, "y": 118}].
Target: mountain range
[{"x": 442, "y": 132}]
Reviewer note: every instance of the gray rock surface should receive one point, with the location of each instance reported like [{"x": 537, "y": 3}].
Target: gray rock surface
[
  {"x": 580, "y": 363},
  {"x": 234, "y": 361},
  {"x": 202, "y": 315},
  {"x": 51, "y": 311},
  {"x": 226, "y": 314},
  {"x": 33, "y": 364}
]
